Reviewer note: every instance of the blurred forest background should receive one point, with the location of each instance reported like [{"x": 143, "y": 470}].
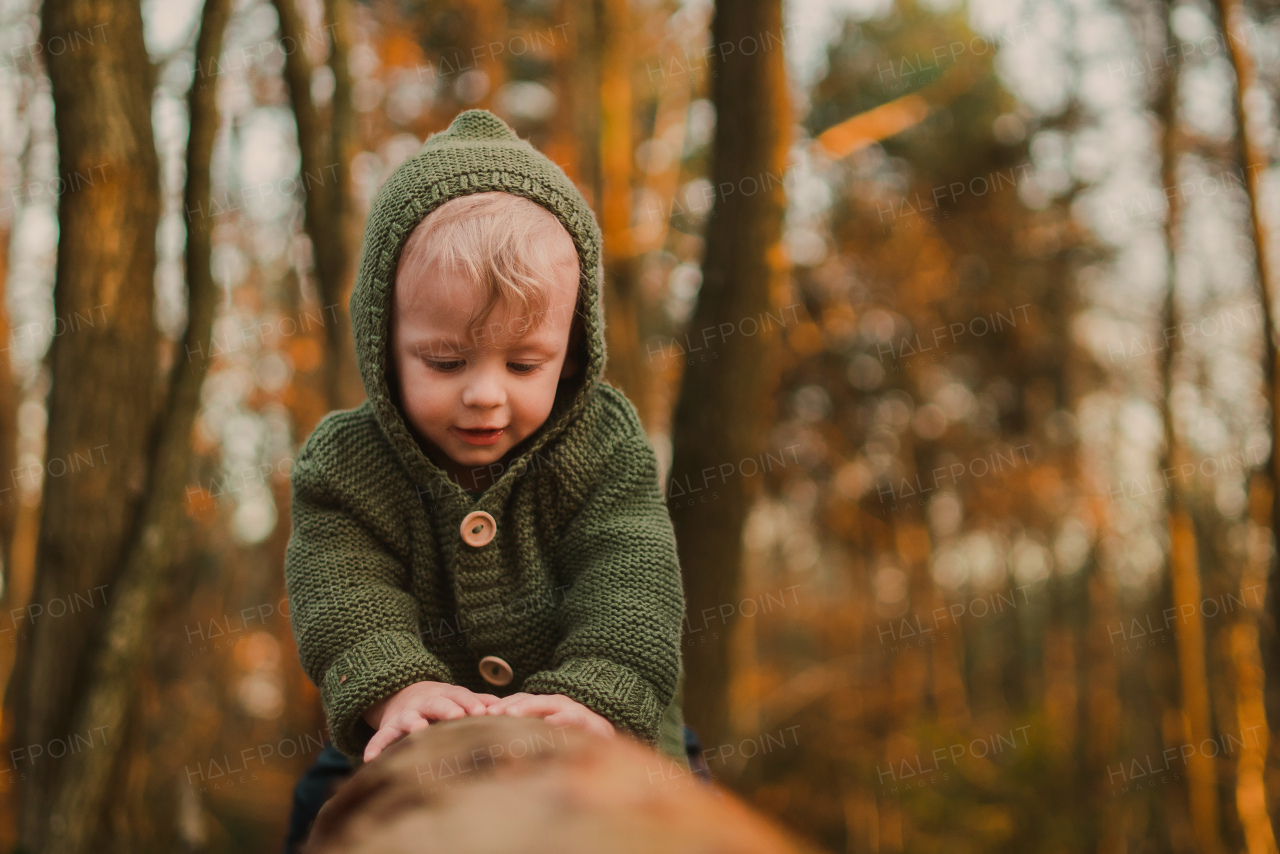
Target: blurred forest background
[{"x": 953, "y": 325}]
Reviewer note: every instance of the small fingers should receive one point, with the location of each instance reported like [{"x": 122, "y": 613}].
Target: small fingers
[
  {"x": 500, "y": 705},
  {"x": 567, "y": 718},
  {"x": 471, "y": 704},
  {"x": 438, "y": 708},
  {"x": 381, "y": 740},
  {"x": 588, "y": 721},
  {"x": 446, "y": 709},
  {"x": 535, "y": 704}
]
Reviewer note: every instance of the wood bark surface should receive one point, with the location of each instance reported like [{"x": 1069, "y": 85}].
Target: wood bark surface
[{"x": 503, "y": 783}]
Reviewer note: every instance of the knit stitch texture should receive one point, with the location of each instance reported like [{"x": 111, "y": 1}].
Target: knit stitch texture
[{"x": 579, "y": 590}]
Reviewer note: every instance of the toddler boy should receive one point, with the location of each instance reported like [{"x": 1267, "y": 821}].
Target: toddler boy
[{"x": 486, "y": 533}]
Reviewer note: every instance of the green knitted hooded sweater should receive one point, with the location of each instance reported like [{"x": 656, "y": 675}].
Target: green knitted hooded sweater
[{"x": 579, "y": 590}]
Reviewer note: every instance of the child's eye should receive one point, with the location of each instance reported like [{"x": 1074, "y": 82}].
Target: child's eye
[
  {"x": 445, "y": 366},
  {"x": 522, "y": 368}
]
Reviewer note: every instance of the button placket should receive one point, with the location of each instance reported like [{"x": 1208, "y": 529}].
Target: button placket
[{"x": 473, "y": 578}]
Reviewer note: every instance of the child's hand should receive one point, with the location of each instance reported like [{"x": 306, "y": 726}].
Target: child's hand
[
  {"x": 412, "y": 708},
  {"x": 554, "y": 709}
]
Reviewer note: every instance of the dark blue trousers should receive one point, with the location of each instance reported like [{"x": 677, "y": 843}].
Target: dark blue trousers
[{"x": 332, "y": 767}]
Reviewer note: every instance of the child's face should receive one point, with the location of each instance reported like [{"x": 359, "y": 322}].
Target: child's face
[{"x": 474, "y": 395}]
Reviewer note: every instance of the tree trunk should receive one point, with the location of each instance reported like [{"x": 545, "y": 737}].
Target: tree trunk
[
  {"x": 101, "y": 408},
  {"x": 18, "y": 577},
  {"x": 617, "y": 153},
  {"x": 64, "y": 812},
  {"x": 17, "y": 582},
  {"x": 661, "y": 185},
  {"x": 1183, "y": 563},
  {"x": 1251, "y": 788},
  {"x": 578, "y": 74},
  {"x": 1253, "y": 160},
  {"x": 1202, "y": 779},
  {"x": 721, "y": 412},
  {"x": 8, "y": 423},
  {"x": 343, "y": 375},
  {"x": 1256, "y": 707},
  {"x": 325, "y": 153},
  {"x": 1101, "y": 710}
]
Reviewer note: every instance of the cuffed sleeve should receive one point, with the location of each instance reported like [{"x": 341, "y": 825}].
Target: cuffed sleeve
[
  {"x": 354, "y": 620},
  {"x": 620, "y": 653}
]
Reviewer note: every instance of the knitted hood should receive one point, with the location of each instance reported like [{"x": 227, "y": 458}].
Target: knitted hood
[{"x": 477, "y": 153}]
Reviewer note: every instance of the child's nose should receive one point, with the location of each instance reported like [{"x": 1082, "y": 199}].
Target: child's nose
[{"x": 484, "y": 390}]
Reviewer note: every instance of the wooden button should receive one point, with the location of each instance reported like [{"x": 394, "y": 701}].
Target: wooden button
[
  {"x": 343, "y": 680},
  {"x": 494, "y": 670},
  {"x": 478, "y": 528}
]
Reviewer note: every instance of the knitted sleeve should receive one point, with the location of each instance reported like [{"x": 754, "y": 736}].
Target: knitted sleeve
[
  {"x": 355, "y": 623},
  {"x": 620, "y": 652}
]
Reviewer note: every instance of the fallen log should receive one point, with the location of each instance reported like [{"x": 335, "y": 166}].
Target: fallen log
[{"x": 505, "y": 784}]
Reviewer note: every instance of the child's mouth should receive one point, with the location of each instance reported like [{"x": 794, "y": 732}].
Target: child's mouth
[{"x": 479, "y": 437}]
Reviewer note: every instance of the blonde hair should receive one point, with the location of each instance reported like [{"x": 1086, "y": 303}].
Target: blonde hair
[{"x": 504, "y": 244}]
